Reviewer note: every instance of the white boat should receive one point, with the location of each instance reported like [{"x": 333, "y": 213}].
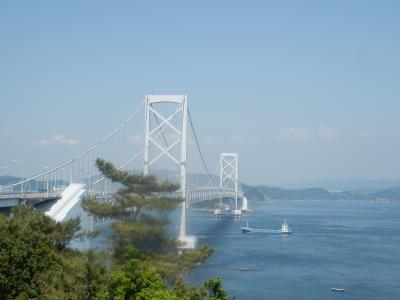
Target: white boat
[
  {"x": 246, "y": 229},
  {"x": 337, "y": 290},
  {"x": 285, "y": 229}
]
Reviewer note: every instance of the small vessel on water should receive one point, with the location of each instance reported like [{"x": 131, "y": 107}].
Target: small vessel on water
[
  {"x": 337, "y": 290},
  {"x": 224, "y": 211},
  {"x": 246, "y": 229},
  {"x": 285, "y": 229}
]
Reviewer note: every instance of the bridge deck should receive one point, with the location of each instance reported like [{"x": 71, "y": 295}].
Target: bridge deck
[{"x": 9, "y": 200}]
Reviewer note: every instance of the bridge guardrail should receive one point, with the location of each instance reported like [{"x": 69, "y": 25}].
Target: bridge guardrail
[{"x": 30, "y": 195}]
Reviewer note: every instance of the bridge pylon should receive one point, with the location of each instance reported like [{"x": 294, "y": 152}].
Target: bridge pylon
[
  {"x": 155, "y": 132},
  {"x": 229, "y": 176}
]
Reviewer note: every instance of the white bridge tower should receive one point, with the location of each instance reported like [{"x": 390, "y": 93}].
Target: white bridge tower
[
  {"x": 153, "y": 131},
  {"x": 229, "y": 176}
]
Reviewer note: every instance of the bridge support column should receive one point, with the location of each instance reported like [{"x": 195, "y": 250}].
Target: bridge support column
[
  {"x": 229, "y": 176},
  {"x": 151, "y": 134}
]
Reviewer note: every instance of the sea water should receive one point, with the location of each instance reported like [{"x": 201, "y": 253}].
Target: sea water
[{"x": 353, "y": 245}]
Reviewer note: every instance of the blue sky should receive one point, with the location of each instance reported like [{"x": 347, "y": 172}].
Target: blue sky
[{"x": 303, "y": 90}]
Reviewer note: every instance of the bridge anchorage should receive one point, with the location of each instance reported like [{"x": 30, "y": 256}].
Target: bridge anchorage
[{"x": 153, "y": 140}]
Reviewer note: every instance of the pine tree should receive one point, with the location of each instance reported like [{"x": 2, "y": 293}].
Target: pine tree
[{"x": 140, "y": 212}]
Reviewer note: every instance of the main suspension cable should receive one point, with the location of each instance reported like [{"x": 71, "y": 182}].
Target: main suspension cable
[{"x": 197, "y": 143}]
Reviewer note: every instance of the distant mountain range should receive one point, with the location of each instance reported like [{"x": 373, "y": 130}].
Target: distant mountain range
[
  {"x": 265, "y": 193},
  {"x": 262, "y": 193},
  {"x": 7, "y": 179},
  {"x": 344, "y": 184}
]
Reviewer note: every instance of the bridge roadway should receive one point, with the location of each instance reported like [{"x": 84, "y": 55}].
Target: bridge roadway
[
  {"x": 198, "y": 194},
  {"x": 8, "y": 200},
  {"x": 194, "y": 194}
]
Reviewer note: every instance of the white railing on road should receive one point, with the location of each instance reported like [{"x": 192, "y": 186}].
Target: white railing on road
[{"x": 31, "y": 195}]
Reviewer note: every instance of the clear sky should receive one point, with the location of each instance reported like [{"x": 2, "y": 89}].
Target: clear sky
[{"x": 303, "y": 90}]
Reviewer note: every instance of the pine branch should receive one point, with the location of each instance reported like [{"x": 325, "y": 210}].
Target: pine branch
[{"x": 134, "y": 183}]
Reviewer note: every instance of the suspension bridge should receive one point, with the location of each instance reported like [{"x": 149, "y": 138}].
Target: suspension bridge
[{"x": 153, "y": 140}]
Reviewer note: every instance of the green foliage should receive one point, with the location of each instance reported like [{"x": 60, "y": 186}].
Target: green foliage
[
  {"x": 24, "y": 266},
  {"x": 211, "y": 289},
  {"x": 149, "y": 294},
  {"x": 29, "y": 245},
  {"x": 177, "y": 263},
  {"x": 140, "y": 212},
  {"x": 82, "y": 276},
  {"x": 36, "y": 263},
  {"x": 134, "y": 278},
  {"x": 183, "y": 291},
  {"x": 93, "y": 275},
  {"x": 66, "y": 232},
  {"x": 215, "y": 290},
  {"x": 138, "y": 184}
]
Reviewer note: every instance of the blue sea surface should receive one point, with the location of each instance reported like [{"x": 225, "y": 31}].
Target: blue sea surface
[{"x": 353, "y": 245}]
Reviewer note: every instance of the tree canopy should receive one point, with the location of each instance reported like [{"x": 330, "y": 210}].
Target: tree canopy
[
  {"x": 140, "y": 212},
  {"x": 144, "y": 262}
]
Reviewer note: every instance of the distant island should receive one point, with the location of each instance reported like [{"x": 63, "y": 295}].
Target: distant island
[{"x": 265, "y": 193}]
